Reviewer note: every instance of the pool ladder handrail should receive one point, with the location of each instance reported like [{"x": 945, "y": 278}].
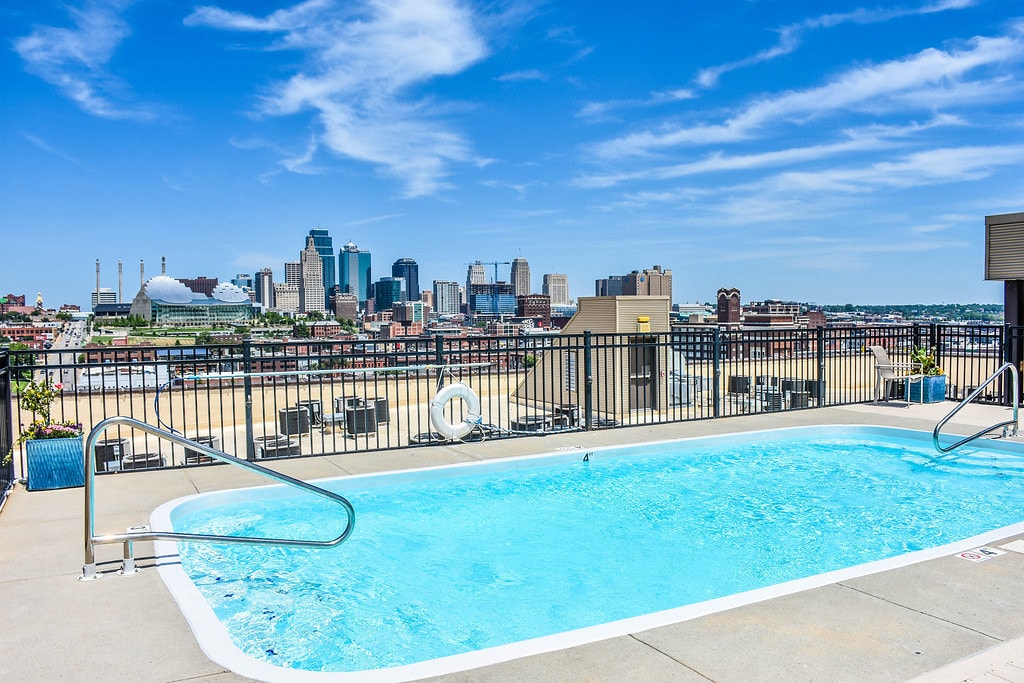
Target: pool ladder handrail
[
  {"x": 973, "y": 395},
  {"x": 144, "y": 534}
]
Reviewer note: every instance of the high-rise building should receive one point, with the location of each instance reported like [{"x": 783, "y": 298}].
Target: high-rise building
[
  {"x": 200, "y": 285},
  {"x": 650, "y": 282},
  {"x": 536, "y": 306},
  {"x": 105, "y": 295},
  {"x": 242, "y": 280},
  {"x": 427, "y": 297},
  {"x": 325, "y": 247},
  {"x": 293, "y": 273},
  {"x": 354, "y": 272},
  {"x": 265, "y": 288},
  {"x": 556, "y": 286},
  {"x": 447, "y": 298},
  {"x": 387, "y": 292},
  {"x": 609, "y": 286},
  {"x": 286, "y": 297},
  {"x": 312, "y": 296},
  {"x": 520, "y": 276},
  {"x": 492, "y": 298},
  {"x": 344, "y": 306},
  {"x": 410, "y": 312},
  {"x": 475, "y": 275},
  {"x": 409, "y": 271}
]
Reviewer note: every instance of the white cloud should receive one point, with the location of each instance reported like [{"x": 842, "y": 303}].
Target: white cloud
[
  {"x": 597, "y": 110},
  {"x": 870, "y": 87},
  {"x": 791, "y": 36},
  {"x": 362, "y": 61},
  {"x": 524, "y": 75},
  {"x": 75, "y": 59},
  {"x": 859, "y": 140}
]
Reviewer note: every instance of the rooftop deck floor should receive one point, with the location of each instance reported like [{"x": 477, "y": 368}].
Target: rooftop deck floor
[{"x": 941, "y": 620}]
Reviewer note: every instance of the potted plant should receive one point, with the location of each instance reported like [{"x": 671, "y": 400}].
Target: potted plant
[
  {"x": 933, "y": 384},
  {"x": 53, "y": 450}
]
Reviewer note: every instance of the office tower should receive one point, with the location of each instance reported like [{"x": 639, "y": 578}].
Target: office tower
[
  {"x": 427, "y": 297},
  {"x": 520, "y": 276},
  {"x": 354, "y": 272},
  {"x": 312, "y": 296},
  {"x": 293, "y": 273},
  {"x": 265, "y": 288},
  {"x": 410, "y": 312},
  {"x": 344, "y": 306},
  {"x": 409, "y": 271},
  {"x": 650, "y": 282},
  {"x": 609, "y": 286},
  {"x": 387, "y": 292},
  {"x": 536, "y": 306},
  {"x": 556, "y": 286},
  {"x": 242, "y": 280},
  {"x": 286, "y": 297},
  {"x": 729, "y": 310},
  {"x": 447, "y": 297},
  {"x": 325, "y": 247},
  {"x": 475, "y": 275},
  {"x": 200, "y": 285},
  {"x": 105, "y": 295},
  {"x": 492, "y": 298}
]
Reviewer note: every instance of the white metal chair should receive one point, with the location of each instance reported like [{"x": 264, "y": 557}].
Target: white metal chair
[{"x": 887, "y": 372}]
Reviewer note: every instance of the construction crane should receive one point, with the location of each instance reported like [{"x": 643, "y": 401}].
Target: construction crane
[{"x": 491, "y": 263}]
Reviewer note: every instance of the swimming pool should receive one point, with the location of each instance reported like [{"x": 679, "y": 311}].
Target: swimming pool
[{"x": 458, "y": 566}]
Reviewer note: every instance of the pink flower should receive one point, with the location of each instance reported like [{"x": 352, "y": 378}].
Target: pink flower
[{"x": 59, "y": 386}]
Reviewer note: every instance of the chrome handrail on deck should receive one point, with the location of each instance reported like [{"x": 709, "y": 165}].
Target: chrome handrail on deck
[
  {"x": 128, "y": 567},
  {"x": 973, "y": 395}
]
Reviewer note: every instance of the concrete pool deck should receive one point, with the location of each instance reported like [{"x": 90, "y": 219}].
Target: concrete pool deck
[{"x": 941, "y": 620}]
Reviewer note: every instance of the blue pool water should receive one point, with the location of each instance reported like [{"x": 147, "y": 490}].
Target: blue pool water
[{"x": 458, "y": 559}]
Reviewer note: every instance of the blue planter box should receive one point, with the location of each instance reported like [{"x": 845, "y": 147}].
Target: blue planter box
[
  {"x": 934, "y": 389},
  {"x": 55, "y": 463}
]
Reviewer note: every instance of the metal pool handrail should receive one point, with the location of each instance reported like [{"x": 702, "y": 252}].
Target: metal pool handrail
[
  {"x": 973, "y": 395},
  {"x": 128, "y": 567}
]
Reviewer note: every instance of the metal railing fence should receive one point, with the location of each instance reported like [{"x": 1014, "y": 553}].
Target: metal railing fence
[
  {"x": 6, "y": 428},
  {"x": 288, "y": 399}
]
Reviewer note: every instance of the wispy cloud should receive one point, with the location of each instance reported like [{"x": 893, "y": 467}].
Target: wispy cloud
[
  {"x": 878, "y": 87},
  {"x": 809, "y": 196},
  {"x": 519, "y": 188},
  {"x": 791, "y": 36},
  {"x": 47, "y": 147},
  {"x": 599, "y": 110},
  {"x": 75, "y": 59},
  {"x": 374, "y": 219},
  {"x": 856, "y": 140},
  {"x": 524, "y": 75},
  {"x": 363, "y": 60}
]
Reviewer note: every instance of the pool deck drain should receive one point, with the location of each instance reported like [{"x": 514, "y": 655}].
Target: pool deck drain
[{"x": 942, "y": 620}]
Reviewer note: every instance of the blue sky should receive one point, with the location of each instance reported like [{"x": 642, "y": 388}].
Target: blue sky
[{"x": 830, "y": 152}]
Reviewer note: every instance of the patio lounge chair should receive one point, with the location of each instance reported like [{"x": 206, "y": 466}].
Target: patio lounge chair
[{"x": 887, "y": 372}]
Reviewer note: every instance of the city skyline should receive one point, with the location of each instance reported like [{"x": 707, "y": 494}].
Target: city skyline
[{"x": 847, "y": 156}]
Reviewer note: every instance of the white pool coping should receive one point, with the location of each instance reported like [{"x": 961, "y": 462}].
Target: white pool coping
[{"x": 215, "y": 642}]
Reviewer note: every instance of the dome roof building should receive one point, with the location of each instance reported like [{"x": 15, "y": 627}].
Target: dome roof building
[{"x": 163, "y": 300}]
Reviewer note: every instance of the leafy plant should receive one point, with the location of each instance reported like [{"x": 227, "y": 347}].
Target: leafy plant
[
  {"x": 926, "y": 357},
  {"x": 39, "y": 397}
]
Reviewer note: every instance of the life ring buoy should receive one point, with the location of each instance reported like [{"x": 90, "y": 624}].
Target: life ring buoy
[{"x": 441, "y": 423}]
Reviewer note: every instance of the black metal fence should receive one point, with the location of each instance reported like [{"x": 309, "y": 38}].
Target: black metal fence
[
  {"x": 272, "y": 400},
  {"x": 6, "y": 428}
]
